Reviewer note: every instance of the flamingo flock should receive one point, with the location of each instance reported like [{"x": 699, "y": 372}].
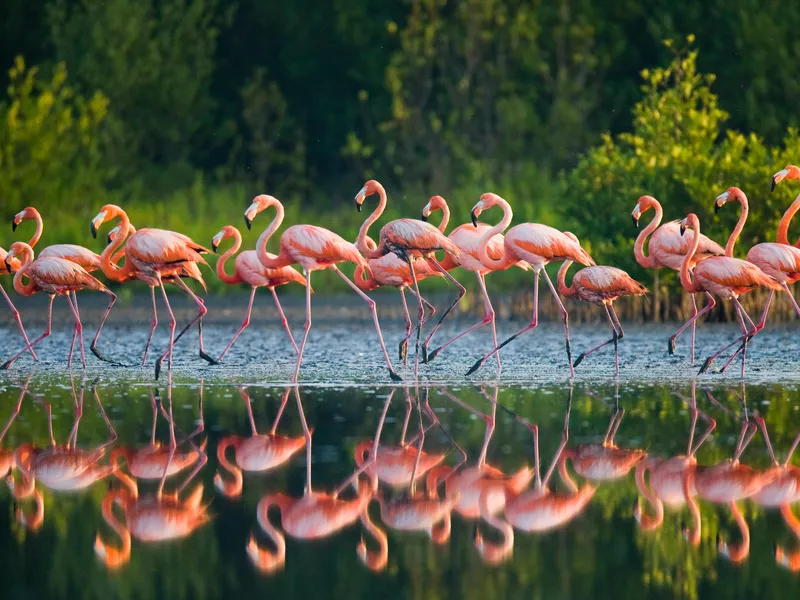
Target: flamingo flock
[
  {"x": 405, "y": 255},
  {"x": 417, "y": 491}
]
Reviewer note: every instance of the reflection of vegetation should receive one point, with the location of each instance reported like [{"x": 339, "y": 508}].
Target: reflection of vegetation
[{"x": 600, "y": 553}]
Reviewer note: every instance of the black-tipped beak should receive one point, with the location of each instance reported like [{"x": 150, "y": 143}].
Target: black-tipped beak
[
  {"x": 358, "y": 206},
  {"x": 683, "y": 229},
  {"x": 249, "y": 222},
  {"x": 214, "y": 246},
  {"x": 716, "y": 208},
  {"x": 108, "y": 239},
  {"x": 772, "y": 185},
  {"x": 14, "y": 221},
  {"x": 474, "y": 218},
  {"x": 424, "y": 218},
  {"x": 635, "y": 221},
  {"x": 8, "y": 265},
  {"x": 94, "y": 230}
]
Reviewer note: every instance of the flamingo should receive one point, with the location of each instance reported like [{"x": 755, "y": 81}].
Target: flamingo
[
  {"x": 666, "y": 248},
  {"x": 537, "y": 509},
  {"x": 9, "y": 268},
  {"x": 155, "y": 256},
  {"x": 315, "y": 514},
  {"x": 409, "y": 239},
  {"x": 313, "y": 248},
  {"x": 248, "y": 269},
  {"x": 723, "y": 276},
  {"x": 600, "y": 285},
  {"x": 467, "y": 237},
  {"x": 535, "y": 244},
  {"x": 778, "y": 260},
  {"x": 466, "y": 486},
  {"x": 788, "y": 172},
  {"x": 257, "y": 453},
  {"x": 55, "y": 277}
]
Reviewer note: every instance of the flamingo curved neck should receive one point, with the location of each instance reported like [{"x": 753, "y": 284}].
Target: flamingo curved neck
[
  {"x": 21, "y": 288},
  {"x": 739, "y": 552},
  {"x": 562, "y": 283},
  {"x": 742, "y": 199},
  {"x": 494, "y": 553},
  {"x": 783, "y": 227},
  {"x": 483, "y": 253},
  {"x": 648, "y": 262},
  {"x": 647, "y": 522},
  {"x": 266, "y": 559},
  {"x": 564, "y": 472},
  {"x": 261, "y": 245},
  {"x": 109, "y": 256},
  {"x": 442, "y": 204},
  {"x": 361, "y": 242},
  {"x": 686, "y": 281},
  {"x": 694, "y": 534},
  {"x": 220, "y": 266},
  {"x": 229, "y": 488},
  {"x": 114, "y": 557},
  {"x": 365, "y": 285},
  {"x": 39, "y": 226},
  {"x": 375, "y": 561}
]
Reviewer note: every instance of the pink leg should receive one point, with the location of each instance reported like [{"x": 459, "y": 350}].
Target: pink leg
[
  {"x": 691, "y": 321},
  {"x": 487, "y": 319},
  {"x": 755, "y": 329},
  {"x": 18, "y": 319},
  {"x": 93, "y": 346},
  {"x": 532, "y": 325},
  {"x": 425, "y": 317},
  {"x": 153, "y": 324},
  {"x": 740, "y": 340},
  {"x": 564, "y": 318},
  {"x": 284, "y": 320},
  {"x": 171, "y": 325},
  {"x": 72, "y": 341},
  {"x": 245, "y": 323},
  {"x": 306, "y": 328},
  {"x": 461, "y": 293},
  {"x": 78, "y": 329},
  {"x": 694, "y": 324},
  {"x": 371, "y": 304},
  {"x": 306, "y": 430},
  {"x": 791, "y": 298},
  {"x": 420, "y": 309},
  {"x": 46, "y": 333},
  {"x": 404, "y": 344},
  {"x": 613, "y": 340}
]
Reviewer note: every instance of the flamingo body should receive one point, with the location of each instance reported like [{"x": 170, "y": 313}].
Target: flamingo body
[
  {"x": 601, "y": 462},
  {"x": 729, "y": 277},
  {"x": 540, "y": 510},
  {"x": 601, "y": 284},
  {"x": 779, "y": 261},
  {"x": 539, "y": 244},
  {"x": 394, "y": 465},
  {"x": 668, "y": 247},
  {"x": 468, "y": 485}
]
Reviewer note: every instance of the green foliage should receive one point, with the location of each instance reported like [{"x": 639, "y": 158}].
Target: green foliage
[{"x": 50, "y": 140}]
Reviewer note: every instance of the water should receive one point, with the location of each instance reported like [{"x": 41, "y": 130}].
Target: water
[{"x": 601, "y": 551}]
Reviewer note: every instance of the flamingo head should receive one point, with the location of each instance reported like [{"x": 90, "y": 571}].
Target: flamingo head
[
  {"x": 643, "y": 204},
  {"x": 370, "y": 187},
  {"x": 790, "y": 172},
  {"x": 17, "y": 249},
  {"x": 260, "y": 202},
  {"x": 112, "y": 234},
  {"x": 732, "y": 193},
  {"x": 225, "y": 232},
  {"x": 487, "y": 200},
  {"x": 690, "y": 222},
  {"x": 434, "y": 204},
  {"x": 108, "y": 212},
  {"x": 27, "y": 213}
]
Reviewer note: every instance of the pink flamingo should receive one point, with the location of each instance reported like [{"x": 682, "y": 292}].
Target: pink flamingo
[
  {"x": 155, "y": 256},
  {"x": 393, "y": 271},
  {"x": 257, "y": 453},
  {"x": 666, "y": 248},
  {"x": 778, "y": 260},
  {"x": 55, "y": 277},
  {"x": 725, "y": 277},
  {"x": 313, "y": 248},
  {"x": 9, "y": 268},
  {"x": 600, "y": 285},
  {"x": 409, "y": 239},
  {"x": 535, "y": 244},
  {"x": 248, "y": 269},
  {"x": 789, "y": 172},
  {"x": 467, "y": 237}
]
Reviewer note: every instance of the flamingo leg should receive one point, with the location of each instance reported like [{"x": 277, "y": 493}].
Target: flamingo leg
[
  {"x": 15, "y": 410},
  {"x": 72, "y": 341},
  {"x": 372, "y": 309},
  {"x": 420, "y": 308},
  {"x": 45, "y": 334},
  {"x": 18, "y": 319},
  {"x": 425, "y": 317},
  {"x": 93, "y": 345},
  {"x": 406, "y": 419},
  {"x": 246, "y": 397},
  {"x": 404, "y": 344},
  {"x": 532, "y": 325},
  {"x": 613, "y": 340},
  {"x": 791, "y": 298},
  {"x": 691, "y": 321},
  {"x": 153, "y": 324},
  {"x": 198, "y": 319},
  {"x": 564, "y": 318},
  {"x": 284, "y": 320},
  {"x": 489, "y": 318},
  {"x": 245, "y": 323},
  {"x": 278, "y": 416},
  {"x": 412, "y": 487},
  {"x": 755, "y": 330},
  {"x": 306, "y": 430},
  {"x": 461, "y": 293},
  {"x": 306, "y": 328},
  {"x": 172, "y": 324},
  {"x": 694, "y": 324},
  {"x": 78, "y": 328},
  {"x": 111, "y": 431},
  {"x": 742, "y": 314}
]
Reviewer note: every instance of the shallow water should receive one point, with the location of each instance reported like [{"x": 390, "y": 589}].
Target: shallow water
[{"x": 600, "y": 551}]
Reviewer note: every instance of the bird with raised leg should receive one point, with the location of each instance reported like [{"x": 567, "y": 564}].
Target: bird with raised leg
[
  {"x": 600, "y": 285},
  {"x": 411, "y": 240},
  {"x": 314, "y": 249},
  {"x": 667, "y": 248},
  {"x": 537, "y": 245}
]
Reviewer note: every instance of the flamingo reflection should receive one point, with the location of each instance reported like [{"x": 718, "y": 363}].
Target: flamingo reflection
[
  {"x": 157, "y": 517},
  {"x": 536, "y": 510},
  {"x": 315, "y": 514},
  {"x": 59, "y": 467},
  {"x": 7, "y": 456},
  {"x": 257, "y": 453}
]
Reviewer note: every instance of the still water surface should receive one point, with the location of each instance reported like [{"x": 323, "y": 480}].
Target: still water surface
[{"x": 598, "y": 532}]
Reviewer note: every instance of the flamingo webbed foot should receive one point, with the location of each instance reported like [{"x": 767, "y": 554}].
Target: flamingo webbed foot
[
  {"x": 671, "y": 346},
  {"x": 5, "y": 365},
  {"x": 99, "y": 355},
  {"x": 394, "y": 376},
  {"x": 578, "y": 360},
  {"x": 476, "y": 366},
  {"x": 706, "y": 365},
  {"x": 158, "y": 367},
  {"x": 428, "y": 357},
  {"x": 209, "y": 359},
  {"x": 425, "y": 356}
]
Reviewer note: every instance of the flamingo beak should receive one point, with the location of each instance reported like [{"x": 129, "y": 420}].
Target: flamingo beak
[
  {"x": 777, "y": 178},
  {"x": 360, "y": 197},
  {"x": 683, "y": 228},
  {"x": 635, "y": 220},
  {"x": 110, "y": 238},
  {"x": 97, "y": 221},
  {"x": 16, "y": 221},
  {"x": 720, "y": 202},
  {"x": 474, "y": 218},
  {"x": 215, "y": 243},
  {"x": 250, "y": 214},
  {"x": 424, "y": 217},
  {"x": 7, "y": 260}
]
